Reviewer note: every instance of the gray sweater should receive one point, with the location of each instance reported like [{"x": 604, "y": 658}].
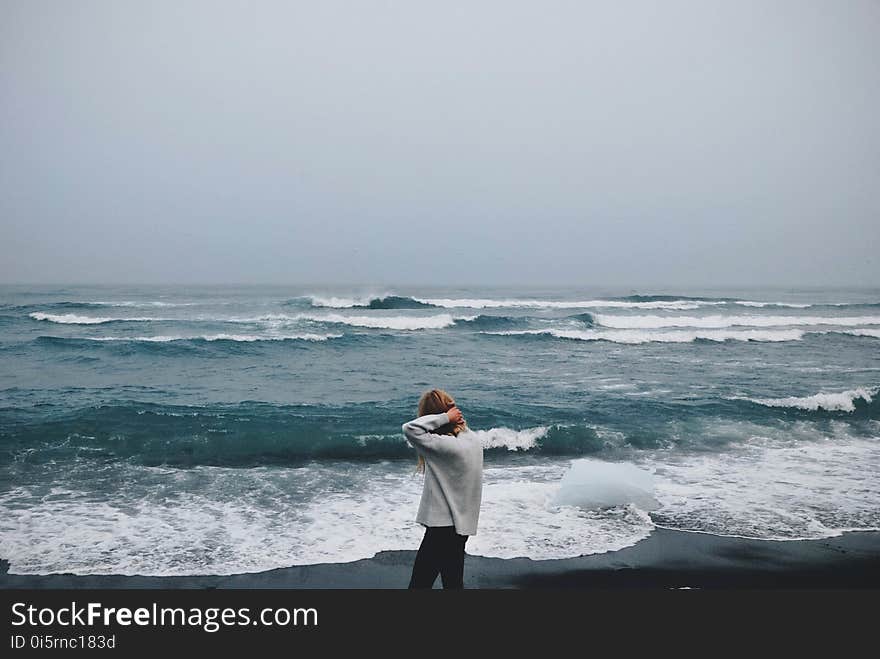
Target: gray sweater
[{"x": 453, "y": 474}]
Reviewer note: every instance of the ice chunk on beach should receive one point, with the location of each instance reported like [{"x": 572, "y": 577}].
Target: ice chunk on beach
[{"x": 594, "y": 484}]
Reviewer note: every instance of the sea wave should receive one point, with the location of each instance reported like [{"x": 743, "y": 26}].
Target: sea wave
[
  {"x": 278, "y": 320},
  {"x": 671, "y": 336},
  {"x": 489, "y": 303},
  {"x": 253, "y": 520},
  {"x": 246, "y": 338},
  {"x": 102, "y": 304},
  {"x": 63, "y": 304},
  {"x": 512, "y": 440},
  {"x": 488, "y": 321},
  {"x": 647, "y": 302},
  {"x": 74, "y": 319},
  {"x": 438, "y": 321},
  {"x": 721, "y": 321},
  {"x": 587, "y": 319},
  {"x": 371, "y": 301},
  {"x": 862, "y": 331},
  {"x": 257, "y": 434},
  {"x": 844, "y": 401},
  {"x": 435, "y": 321},
  {"x": 395, "y": 301},
  {"x": 789, "y": 305},
  {"x": 318, "y": 513},
  {"x": 143, "y": 303},
  {"x": 246, "y": 434},
  {"x": 338, "y": 302}
]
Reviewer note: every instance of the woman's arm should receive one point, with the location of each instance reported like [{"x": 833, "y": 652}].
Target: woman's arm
[{"x": 418, "y": 431}]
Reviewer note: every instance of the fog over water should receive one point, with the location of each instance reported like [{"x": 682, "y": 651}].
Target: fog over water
[{"x": 676, "y": 143}]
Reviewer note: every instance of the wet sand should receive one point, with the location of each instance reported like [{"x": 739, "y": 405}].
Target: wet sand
[{"x": 666, "y": 559}]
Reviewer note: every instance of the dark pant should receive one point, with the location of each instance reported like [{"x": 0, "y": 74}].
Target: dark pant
[{"x": 441, "y": 551}]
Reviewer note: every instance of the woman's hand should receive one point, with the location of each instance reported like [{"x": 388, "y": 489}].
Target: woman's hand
[{"x": 455, "y": 415}]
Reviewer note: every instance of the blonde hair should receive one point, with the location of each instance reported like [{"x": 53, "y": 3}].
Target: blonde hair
[{"x": 437, "y": 401}]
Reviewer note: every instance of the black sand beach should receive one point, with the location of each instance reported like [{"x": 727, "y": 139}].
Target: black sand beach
[{"x": 666, "y": 559}]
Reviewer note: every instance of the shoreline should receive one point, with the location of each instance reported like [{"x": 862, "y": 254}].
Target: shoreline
[{"x": 665, "y": 559}]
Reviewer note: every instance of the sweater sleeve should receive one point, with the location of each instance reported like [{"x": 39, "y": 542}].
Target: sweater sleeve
[{"x": 418, "y": 433}]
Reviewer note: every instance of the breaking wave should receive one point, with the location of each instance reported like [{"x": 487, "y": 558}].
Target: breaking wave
[
  {"x": 438, "y": 321},
  {"x": 238, "y": 338},
  {"x": 719, "y": 321},
  {"x": 674, "y": 336},
  {"x": 74, "y": 319},
  {"x": 386, "y": 301},
  {"x": 844, "y": 401},
  {"x": 488, "y": 303}
]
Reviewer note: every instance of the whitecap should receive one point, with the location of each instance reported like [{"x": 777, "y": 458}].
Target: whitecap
[
  {"x": 248, "y": 338},
  {"x": 512, "y": 440},
  {"x": 74, "y": 319},
  {"x": 719, "y": 321},
  {"x": 843, "y": 401},
  {"x": 438, "y": 321},
  {"x": 670, "y": 336},
  {"x": 487, "y": 303}
]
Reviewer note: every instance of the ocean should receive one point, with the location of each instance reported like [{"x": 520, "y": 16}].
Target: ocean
[{"x": 182, "y": 430}]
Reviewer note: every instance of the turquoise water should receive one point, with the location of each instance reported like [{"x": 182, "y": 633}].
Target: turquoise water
[{"x": 206, "y": 430}]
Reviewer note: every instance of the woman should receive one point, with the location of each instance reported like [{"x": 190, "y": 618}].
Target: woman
[{"x": 451, "y": 457}]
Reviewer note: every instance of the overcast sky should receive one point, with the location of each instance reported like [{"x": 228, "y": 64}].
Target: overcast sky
[{"x": 619, "y": 142}]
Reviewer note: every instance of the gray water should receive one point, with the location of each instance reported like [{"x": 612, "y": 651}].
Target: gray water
[{"x": 206, "y": 430}]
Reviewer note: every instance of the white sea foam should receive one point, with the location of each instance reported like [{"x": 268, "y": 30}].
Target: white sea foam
[
  {"x": 196, "y": 521},
  {"x": 488, "y": 303},
  {"x": 382, "y": 321},
  {"x": 346, "y": 302},
  {"x": 843, "y": 401},
  {"x": 437, "y": 321},
  {"x": 74, "y": 319},
  {"x": 164, "y": 521},
  {"x": 660, "y": 336},
  {"x": 148, "y": 303},
  {"x": 718, "y": 321},
  {"x": 512, "y": 440},
  {"x": 785, "y": 484},
  {"x": 520, "y": 517},
  {"x": 306, "y": 336},
  {"x": 750, "y": 303},
  {"x": 397, "y": 322}
]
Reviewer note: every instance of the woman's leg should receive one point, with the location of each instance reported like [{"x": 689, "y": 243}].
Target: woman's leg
[
  {"x": 427, "y": 563},
  {"x": 452, "y": 566}
]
